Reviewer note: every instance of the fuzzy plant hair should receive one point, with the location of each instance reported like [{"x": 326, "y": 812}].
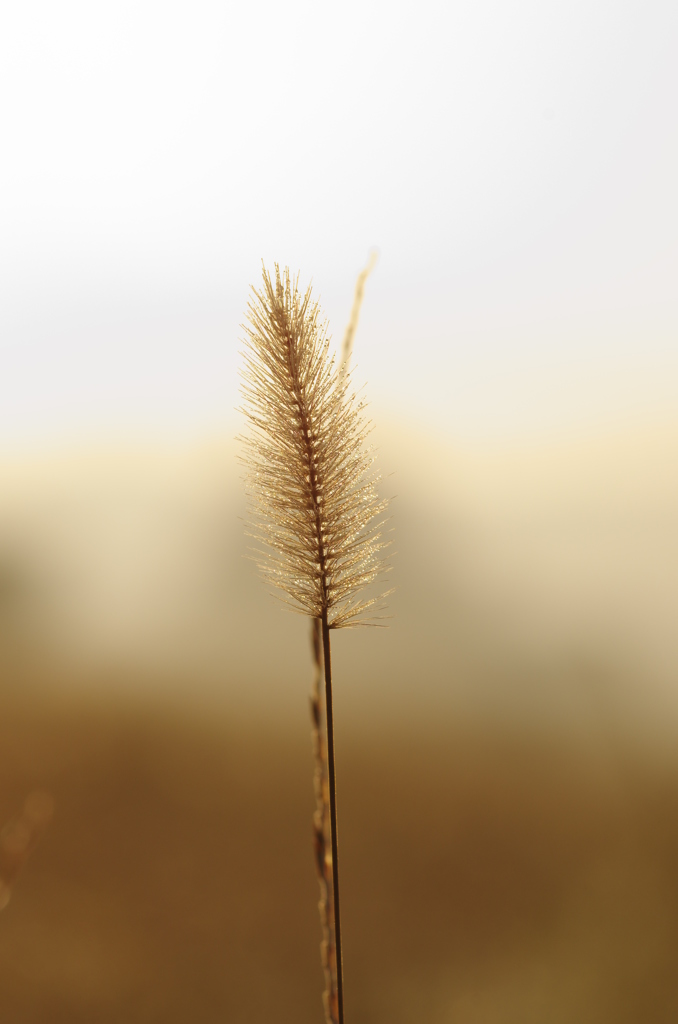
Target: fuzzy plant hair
[{"x": 313, "y": 500}]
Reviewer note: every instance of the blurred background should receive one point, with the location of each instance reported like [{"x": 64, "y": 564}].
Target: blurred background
[{"x": 508, "y": 785}]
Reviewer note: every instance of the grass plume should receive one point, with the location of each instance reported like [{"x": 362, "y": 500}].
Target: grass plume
[
  {"x": 314, "y": 507},
  {"x": 315, "y": 511}
]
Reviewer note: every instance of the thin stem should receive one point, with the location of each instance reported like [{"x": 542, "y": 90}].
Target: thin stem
[
  {"x": 321, "y": 832},
  {"x": 329, "y": 713}
]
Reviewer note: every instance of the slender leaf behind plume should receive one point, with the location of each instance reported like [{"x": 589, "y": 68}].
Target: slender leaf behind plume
[{"x": 314, "y": 507}]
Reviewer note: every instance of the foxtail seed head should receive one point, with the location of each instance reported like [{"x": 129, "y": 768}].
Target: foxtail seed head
[{"x": 313, "y": 503}]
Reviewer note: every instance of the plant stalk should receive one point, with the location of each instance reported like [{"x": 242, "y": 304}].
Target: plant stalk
[
  {"x": 321, "y": 832},
  {"x": 329, "y": 714}
]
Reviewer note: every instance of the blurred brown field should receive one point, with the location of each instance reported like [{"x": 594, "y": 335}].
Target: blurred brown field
[
  {"x": 508, "y": 790},
  {"x": 486, "y": 876}
]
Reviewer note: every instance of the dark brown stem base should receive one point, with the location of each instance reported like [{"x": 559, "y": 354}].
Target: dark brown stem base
[{"x": 329, "y": 713}]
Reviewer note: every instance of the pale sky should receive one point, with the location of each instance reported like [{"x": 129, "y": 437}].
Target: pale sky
[{"x": 514, "y": 163}]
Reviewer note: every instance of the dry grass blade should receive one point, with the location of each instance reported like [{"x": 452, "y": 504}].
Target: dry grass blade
[{"x": 349, "y": 334}]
